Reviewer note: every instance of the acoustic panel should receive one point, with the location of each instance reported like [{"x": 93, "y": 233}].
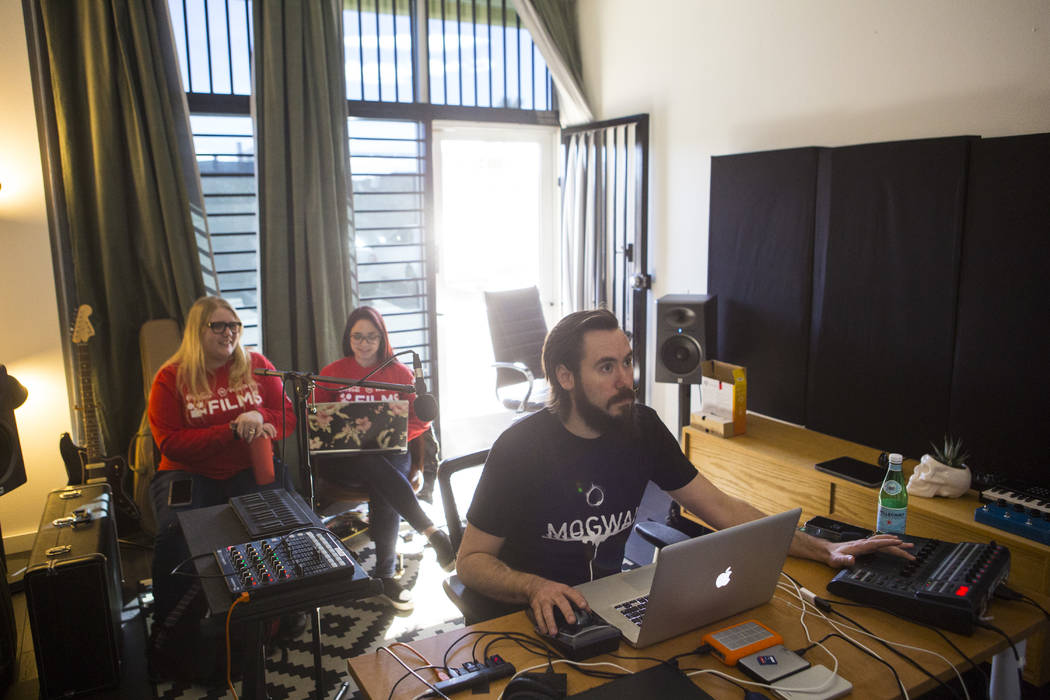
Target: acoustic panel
[
  {"x": 886, "y": 260},
  {"x": 760, "y": 266},
  {"x": 1001, "y": 378}
]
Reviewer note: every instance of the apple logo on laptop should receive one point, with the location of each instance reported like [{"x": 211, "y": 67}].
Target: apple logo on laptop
[{"x": 723, "y": 578}]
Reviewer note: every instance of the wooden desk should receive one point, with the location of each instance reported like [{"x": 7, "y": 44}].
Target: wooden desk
[
  {"x": 772, "y": 467},
  {"x": 376, "y": 673}
]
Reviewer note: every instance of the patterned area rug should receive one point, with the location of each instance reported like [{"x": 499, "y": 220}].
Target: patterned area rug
[{"x": 346, "y": 631}]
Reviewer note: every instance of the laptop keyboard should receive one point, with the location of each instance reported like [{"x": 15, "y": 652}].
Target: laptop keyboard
[{"x": 633, "y": 610}]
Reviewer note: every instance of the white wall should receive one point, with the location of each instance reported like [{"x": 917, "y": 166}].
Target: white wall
[
  {"x": 29, "y": 332},
  {"x": 732, "y": 76}
]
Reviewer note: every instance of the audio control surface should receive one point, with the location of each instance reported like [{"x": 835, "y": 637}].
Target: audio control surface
[
  {"x": 272, "y": 564},
  {"x": 947, "y": 585}
]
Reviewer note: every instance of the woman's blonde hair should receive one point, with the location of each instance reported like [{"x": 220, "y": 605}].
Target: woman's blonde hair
[{"x": 192, "y": 373}]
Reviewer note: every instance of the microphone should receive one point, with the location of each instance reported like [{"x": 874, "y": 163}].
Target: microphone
[{"x": 426, "y": 406}]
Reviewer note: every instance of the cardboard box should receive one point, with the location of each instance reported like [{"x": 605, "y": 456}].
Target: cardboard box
[
  {"x": 712, "y": 423},
  {"x": 723, "y": 399}
]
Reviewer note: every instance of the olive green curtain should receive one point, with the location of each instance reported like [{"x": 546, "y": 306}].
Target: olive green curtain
[
  {"x": 302, "y": 161},
  {"x": 123, "y": 190},
  {"x": 553, "y": 27}
]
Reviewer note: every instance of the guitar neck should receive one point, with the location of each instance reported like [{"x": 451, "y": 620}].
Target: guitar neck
[{"x": 91, "y": 432}]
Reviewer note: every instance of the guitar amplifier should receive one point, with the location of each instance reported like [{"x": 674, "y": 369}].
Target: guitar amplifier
[{"x": 73, "y": 593}]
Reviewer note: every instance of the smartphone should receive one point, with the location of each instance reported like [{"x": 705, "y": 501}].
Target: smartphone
[
  {"x": 180, "y": 492},
  {"x": 729, "y": 644},
  {"x": 834, "y": 530},
  {"x": 853, "y": 470}
]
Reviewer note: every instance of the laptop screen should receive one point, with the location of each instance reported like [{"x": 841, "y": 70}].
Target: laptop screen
[{"x": 347, "y": 427}]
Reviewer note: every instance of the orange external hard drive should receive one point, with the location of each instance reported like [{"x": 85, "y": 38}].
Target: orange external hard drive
[{"x": 730, "y": 644}]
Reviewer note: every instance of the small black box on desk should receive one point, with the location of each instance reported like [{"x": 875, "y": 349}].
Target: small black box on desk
[{"x": 73, "y": 594}]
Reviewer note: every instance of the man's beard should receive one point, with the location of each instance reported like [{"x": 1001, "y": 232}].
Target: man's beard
[{"x": 599, "y": 419}]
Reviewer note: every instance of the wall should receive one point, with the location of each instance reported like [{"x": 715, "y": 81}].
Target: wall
[
  {"x": 30, "y": 337},
  {"x": 721, "y": 77}
]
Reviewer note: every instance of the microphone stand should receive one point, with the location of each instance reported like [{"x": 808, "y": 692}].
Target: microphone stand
[{"x": 303, "y": 384}]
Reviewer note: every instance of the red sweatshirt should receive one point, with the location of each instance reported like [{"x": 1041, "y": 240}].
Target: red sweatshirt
[
  {"x": 394, "y": 373},
  {"x": 195, "y": 435}
]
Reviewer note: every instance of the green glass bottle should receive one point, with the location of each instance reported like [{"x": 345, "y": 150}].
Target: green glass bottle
[{"x": 893, "y": 499}]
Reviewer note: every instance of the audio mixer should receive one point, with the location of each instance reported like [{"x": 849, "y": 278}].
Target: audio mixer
[{"x": 274, "y": 564}]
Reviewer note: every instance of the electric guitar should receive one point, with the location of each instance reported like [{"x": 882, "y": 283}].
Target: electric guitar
[{"x": 87, "y": 464}]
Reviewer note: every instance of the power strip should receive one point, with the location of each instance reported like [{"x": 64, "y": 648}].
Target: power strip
[{"x": 474, "y": 674}]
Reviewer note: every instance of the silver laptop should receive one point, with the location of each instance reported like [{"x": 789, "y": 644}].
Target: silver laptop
[{"x": 696, "y": 582}]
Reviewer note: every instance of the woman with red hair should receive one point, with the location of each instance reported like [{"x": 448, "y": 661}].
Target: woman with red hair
[{"x": 392, "y": 478}]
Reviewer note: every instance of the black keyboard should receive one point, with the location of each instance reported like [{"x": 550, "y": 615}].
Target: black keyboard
[
  {"x": 633, "y": 610},
  {"x": 269, "y": 513}
]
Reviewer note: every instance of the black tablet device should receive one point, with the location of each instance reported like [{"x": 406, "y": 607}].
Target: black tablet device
[{"x": 854, "y": 470}]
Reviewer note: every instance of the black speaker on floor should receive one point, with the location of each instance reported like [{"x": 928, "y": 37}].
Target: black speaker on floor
[
  {"x": 686, "y": 335},
  {"x": 12, "y": 469}
]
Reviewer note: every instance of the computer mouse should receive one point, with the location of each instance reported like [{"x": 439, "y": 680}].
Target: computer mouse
[{"x": 583, "y": 619}]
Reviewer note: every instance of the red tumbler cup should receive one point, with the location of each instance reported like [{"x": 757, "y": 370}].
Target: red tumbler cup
[{"x": 262, "y": 459}]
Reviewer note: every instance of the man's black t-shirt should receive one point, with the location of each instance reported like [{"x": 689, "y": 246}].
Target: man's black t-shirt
[{"x": 565, "y": 504}]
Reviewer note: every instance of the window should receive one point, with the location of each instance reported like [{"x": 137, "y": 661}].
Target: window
[
  {"x": 226, "y": 158},
  {"x": 387, "y": 165},
  {"x": 481, "y": 56},
  {"x": 471, "y": 54}
]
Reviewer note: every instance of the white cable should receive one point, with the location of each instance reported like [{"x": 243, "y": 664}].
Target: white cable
[
  {"x": 839, "y": 626},
  {"x": 902, "y": 644},
  {"x": 820, "y": 613}
]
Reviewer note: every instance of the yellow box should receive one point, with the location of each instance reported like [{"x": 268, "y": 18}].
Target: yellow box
[{"x": 723, "y": 393}]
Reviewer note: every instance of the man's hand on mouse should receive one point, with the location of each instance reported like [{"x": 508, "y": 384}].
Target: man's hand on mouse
[{"x": 548, "y": 594}]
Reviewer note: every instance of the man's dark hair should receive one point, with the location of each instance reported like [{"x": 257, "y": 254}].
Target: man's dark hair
[{"x": 564, "y": 346}]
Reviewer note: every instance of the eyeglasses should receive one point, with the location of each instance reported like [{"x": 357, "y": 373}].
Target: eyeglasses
[
  {"x": 362, "y": 338},
  {"x": 220, "y": 327}
]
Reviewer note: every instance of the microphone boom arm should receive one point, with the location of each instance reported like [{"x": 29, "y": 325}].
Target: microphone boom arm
[{"x": 400, "y": 388}]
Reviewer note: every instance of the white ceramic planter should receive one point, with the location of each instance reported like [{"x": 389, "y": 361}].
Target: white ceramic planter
[{"x": 932, "y": 478}]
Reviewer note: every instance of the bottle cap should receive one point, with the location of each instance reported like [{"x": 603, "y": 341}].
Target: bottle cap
[{"x": 896, "y": 458}]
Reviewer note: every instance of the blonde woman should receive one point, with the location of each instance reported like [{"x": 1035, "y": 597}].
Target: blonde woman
[{"x": 206, "y": 410}]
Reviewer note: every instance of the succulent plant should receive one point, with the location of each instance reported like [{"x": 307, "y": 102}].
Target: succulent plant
[{"x": 951, "y": 453}]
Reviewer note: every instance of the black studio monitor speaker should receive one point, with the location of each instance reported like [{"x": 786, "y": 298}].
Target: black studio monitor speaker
[
  {"x": 686, "y": 335},
  {"x": 12, "y": 469}
]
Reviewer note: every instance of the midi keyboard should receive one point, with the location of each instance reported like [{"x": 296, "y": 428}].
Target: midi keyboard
[{"x": 1017, "y": 507}]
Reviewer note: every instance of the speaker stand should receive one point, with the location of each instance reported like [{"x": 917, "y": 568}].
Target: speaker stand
[{"x": 684, "y": 400}]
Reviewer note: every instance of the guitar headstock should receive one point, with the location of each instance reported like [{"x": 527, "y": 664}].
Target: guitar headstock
[{"x": 82, "y": 330}]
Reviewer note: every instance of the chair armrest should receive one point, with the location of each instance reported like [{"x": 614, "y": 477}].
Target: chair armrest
[
  {"x": 658, "y": 534},
  {"x": 445, "y": 471},
  {"x": 529, "y": 377},
  {"x": 517, "y": 367}
]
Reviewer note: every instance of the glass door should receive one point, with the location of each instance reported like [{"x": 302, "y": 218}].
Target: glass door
[{"x": 495, "y": 217}]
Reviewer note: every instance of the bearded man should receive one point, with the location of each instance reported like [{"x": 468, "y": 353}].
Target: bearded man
[{"x": 561, "y": 488}]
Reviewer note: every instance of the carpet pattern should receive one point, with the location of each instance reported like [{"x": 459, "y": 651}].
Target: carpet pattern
[{"x": 346, "y": 631}]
